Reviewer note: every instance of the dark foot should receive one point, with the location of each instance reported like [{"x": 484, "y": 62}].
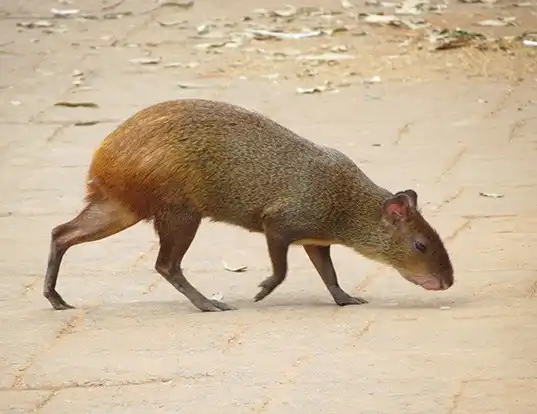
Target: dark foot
[
  {"x": 57, "y": 301},
  {"x": 342, "y": 298},
  {"x": 212, "y": 305},
  {"x": 267, "y": 286},
  {"x": 222, "y": 305}
]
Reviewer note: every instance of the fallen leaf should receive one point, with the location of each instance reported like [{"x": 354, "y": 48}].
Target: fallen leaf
[
  {"x": 77, "y": 104},
  {"x": 181, "y": 65},
  {"x": 64, "y": 12},
  {"x": 371, "y": 80},
  {"x": 86, "y": 123},
  {"x": 192, "y": 86},
  {"x": 491, "y": 195},
  {"x": 412, "y": 7},
  {"x": 172, "y": 23},
  {"x": 381, "y": 19},
  {"x": 499, "y": 22},
  {"x": 264, "y": 34},
  {"x": 206, "y": 46},
  {"x": 184, "y": 4},
  {"x": 146, "y": 60},
  {"x": 238, "y": 269},
  {"x": 40, "y": 24},
  {"x": 289, "y": 11}
]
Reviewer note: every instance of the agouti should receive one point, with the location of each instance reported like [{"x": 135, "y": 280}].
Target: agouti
[{"x": 177, "y": 162}]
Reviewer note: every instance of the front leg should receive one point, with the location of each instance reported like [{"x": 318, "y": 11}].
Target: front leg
[
  {"x": 320, "y": 257},
  {"x": 278, "y": 249}
]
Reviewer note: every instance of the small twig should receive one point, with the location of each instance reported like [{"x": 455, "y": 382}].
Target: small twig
[{"x": 112, "y": 6}]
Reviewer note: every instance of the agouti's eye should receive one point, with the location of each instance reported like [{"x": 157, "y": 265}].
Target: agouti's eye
[{"x": 419, "y": 246}]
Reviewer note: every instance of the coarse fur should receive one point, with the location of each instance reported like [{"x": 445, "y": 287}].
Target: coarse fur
[{"x": 178, "y": 162}]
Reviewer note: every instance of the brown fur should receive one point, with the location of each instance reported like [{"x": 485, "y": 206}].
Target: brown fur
[{"x": 177, "y": 162}]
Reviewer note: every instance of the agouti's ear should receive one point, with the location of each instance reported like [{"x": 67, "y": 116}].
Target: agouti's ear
[
  {"x": 398, "y": 207},
  {"x": 412, "y": 195}
]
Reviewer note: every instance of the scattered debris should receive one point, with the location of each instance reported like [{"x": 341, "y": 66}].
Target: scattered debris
[
  {"x": 261, "y": 34},
  {"x": 238, "y": 269},
  {"x": 531, "y": 43},
  {"x": 16, "y": 103},
  {"x": 146, "y": 60},
  {"x": 77, "y": 104},
  {"x": 328, "y": 86},
  {"x": 499, "y": 22},
  {"x": 217, "y": 296},
  {"x": 491, "y": 195},
  {"x": 446, "y": 39},
  {"x": 445, "y": 307},
  {"x": 412, "y": 7},
  {"x": 64, "y": 12}
]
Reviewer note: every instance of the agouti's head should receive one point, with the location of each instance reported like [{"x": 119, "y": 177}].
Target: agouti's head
[{"x": 415, "y": 249}]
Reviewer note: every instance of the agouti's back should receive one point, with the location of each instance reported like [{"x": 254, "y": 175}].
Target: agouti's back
[
  {"x": 227, "y": 162},
  {"x": 177, "y": 162}
]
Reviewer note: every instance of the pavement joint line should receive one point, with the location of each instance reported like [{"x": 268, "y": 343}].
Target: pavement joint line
[
  {"x": 501, "y": 379},
  {"x": 18, "y": 381},
  {"x": 457, "y": 398},
  {"x": 515, "y": 127},
  {"x": 450, "y": 199},
  {"x": 464, "y": 226},
  {"x": 504, "y": 99},
  {"x": 108, "y": 384},
  {"x": 488, "y": 216},
  {"x": 45, "y": 400},
  {"x": 403, "y": 131},
  {"x": 57, "y": 131},
  {"x": 286, "y": 379},
  {"x": 452, "y": 163},
  {"x": 533, "y": 290}
]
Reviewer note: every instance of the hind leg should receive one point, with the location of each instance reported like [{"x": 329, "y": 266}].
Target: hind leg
[
  {"x": 99, "y": 219},
  {"x": 176, "y": 231}
]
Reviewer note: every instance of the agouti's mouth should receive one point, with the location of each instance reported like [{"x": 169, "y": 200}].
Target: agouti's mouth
[{"x": 433, "y": 284}]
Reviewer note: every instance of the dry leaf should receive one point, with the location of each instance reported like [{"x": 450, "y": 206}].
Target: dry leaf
[
  {"x": 77, "y": 104},
  {"x": 146, "y": 60},
  {"x": 238, "y": 269},
  {"x": 39, "y": 24},
  {"x": 264, "y": 34},
  {"x": 499, "y": 22},
  {"x": 86, "y": 123},
  {"x": 381, "y": 19},
  {"x": 64, "y": 13},
  {"x": 491, "y": 195}
]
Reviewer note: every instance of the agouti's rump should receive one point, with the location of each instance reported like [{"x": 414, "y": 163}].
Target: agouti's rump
[{"x": 178, "y": 162}]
